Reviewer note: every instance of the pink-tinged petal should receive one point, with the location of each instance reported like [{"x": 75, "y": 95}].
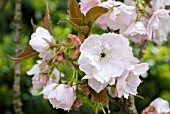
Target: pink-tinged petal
[
  {"x": 121, "y": 82},
  {"x": 33, "y": 70},
  {"x": 136, "y": 32},
  {"x": 39, "y": 81},
  {"x": 159, "y": 26},
  {"x": 37, "y": 41},
  {"x": 47, "y": 89},
  {"x": 96, "y": 85},
  {"x": 90, "y": 42},
  {"x": 86, "y": 5},
  {"x": 45, "y": 55},
  {"x": 102, "y": 20},
  {"x": 140, "y": 68},
  {"x": 130, "y": 2},
  {"x": 62, "y": 97},
  {"x": 118, "y": 68},
  {"x": 41, "y": 41}
]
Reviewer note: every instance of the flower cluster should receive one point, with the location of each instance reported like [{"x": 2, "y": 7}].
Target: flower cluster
[
  {"x": 126, "y": 18},
  {"x": 88, "y": 64}
]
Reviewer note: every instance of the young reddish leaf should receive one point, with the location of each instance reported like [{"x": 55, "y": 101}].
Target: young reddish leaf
[
  {"x": 85, "y": 88},
  {"x": 28, "y": 53},
  {"x": 74, "y": 10},
  {"x": 82, "y": 37},
  {"x": 46, "y": 20},
  {"x": 100, "y": 97},
  {"x": 94, "y": 13},
  {"x": 96, "y": 97},
  {"x": 78, "y": 22},
  {"x": 85, "y": 30}
]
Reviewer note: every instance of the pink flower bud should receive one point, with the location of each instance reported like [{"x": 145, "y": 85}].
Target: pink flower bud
[
  {"x": 39, "y": 82},
  {"x": 60, "y": 57},
  {"x": 75, "y": 39},
  {"x": 75, "y": 53}
]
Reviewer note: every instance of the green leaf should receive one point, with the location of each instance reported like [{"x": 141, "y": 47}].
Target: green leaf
[
  {"x": 33, "y": 25},
  {"x": 46, "y": 20},
  {"x": 94, "y": 13},
  {"x": 28, "y": 53},
  {"x": 74, "y": 10}
]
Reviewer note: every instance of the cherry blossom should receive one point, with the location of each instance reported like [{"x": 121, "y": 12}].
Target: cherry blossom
[
  {"x": 136, "y": 32},
  {"x": 39, "y": 81},
  {"x": 105, "y": 57},
  {"x": 35, "y": 68},
  {"x": 159, "y": 26},
  {"x": 62, "y": 97},
  {"x": 158, "y": 106},
  {"x": 41, "y": 41},
  {"x": 120, "y": 15},
  {"x": 128, "y": 82},
  {"x": 41, "y": 78}
]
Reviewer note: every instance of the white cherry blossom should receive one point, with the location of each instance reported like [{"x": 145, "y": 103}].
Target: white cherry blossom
[
  {"x": 128, "y": 82},
  {"x": 41, "y": 41},
  {"x": 104, "y": 58},
  {"x": 159, "y": 26},
  {"x": 62, "y": 97},
  {"x": 136, "y": 32},
  {"x": 120, "y": 15}
]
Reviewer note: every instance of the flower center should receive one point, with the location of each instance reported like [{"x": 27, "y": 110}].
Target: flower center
[
  {"x": 102, "y": 55},
  {"x": 105, "y": 56}
]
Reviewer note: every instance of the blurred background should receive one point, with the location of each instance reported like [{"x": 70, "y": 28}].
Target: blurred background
[{"x": 156, "y": 83}]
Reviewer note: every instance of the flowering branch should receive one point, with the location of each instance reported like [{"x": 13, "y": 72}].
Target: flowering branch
[
  {"x": 142, "y": 50},
  {"x": 105, "y": 62}
]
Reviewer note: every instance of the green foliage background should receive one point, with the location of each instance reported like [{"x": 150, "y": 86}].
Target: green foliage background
[{"x": 156, "y": 83}]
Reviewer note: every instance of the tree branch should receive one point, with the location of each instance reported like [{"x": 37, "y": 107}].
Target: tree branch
[{"x": 17, "y": 104}]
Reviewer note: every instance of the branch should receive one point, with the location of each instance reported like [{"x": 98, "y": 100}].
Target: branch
[
  {"x": 129, "y": 104},
  {"x": 17, "y": 104},
  {"x": 142, "y": 50},
  {"x": 2, "y": 6}
]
